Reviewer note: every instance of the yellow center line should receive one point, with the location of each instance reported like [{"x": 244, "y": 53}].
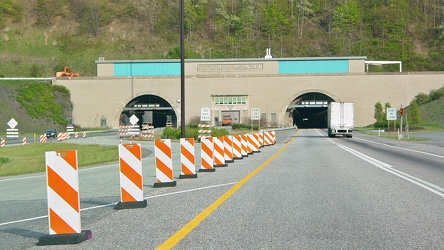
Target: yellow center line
[{"x": 181, "y": 233}]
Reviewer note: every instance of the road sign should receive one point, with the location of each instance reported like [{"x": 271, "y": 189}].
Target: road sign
[
  {"x": 133, "y": 119},
  {"x": 255, "y": 114},
  {"x": 391, "y": 114},
  {"x": 12, "y": 123},
  {"x": 205, "y": 115}
]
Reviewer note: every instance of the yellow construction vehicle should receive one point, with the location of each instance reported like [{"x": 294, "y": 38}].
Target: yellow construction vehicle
[{"x": 66, "y": 73}]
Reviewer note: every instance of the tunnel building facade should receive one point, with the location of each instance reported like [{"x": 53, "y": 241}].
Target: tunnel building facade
[{"x": 290, "y": 91}]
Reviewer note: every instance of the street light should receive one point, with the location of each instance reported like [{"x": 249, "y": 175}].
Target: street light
[{"x": 182, "y": 73}]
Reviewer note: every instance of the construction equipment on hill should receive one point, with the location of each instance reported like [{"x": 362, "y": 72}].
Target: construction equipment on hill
[{"x": 66, "y": 73}]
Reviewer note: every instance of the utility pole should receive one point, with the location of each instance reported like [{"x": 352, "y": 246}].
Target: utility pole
[{"x": 182, "y": 72}]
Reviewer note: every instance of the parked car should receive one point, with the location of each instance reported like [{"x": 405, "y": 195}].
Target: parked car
[{"x": 51, "y": 133}]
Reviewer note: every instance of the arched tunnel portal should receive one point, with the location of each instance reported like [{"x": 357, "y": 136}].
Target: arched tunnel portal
[
  {"x": 310, "y": 110},
  {"x": 149, "y": 109}
]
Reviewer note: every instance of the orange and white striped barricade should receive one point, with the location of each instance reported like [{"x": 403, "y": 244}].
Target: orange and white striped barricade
[
  {"x": 204, "y": 130},
  {"x": 84, "y": 134},
  {"x": 260, "y": 137},
  {"x": 188, "y": 168},
  {"x": 249, "y": 146},
  {"x": 76, "y": 135},
  {"x": 2, "y": 142},
  {"x": 62, "y": 178},
  {"x": 123, "y": 131},
  {"x": 218, "y": 152},
  {"x": 131, "y": 181},
  {"x": 206, "y": 154},
  {"x": 63, "y": 136},
  {"x": 164, "y": 163},
  {"x": 255, "y": 145},
  {"x": 273, "y": 136},
  {"x": 43, "y": 138},
  {"x": 244, "y": 145},
  {"x": 24, "y": 140},
  {"x": 237, "y": 145},
  {"x": 228, "y": 148},
  {"x": 268, "y": 139}
]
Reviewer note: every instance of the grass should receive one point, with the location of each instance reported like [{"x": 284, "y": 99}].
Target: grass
[{"x": 30, "y": 158}]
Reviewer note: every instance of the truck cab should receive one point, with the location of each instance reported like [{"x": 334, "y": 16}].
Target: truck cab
[{"x": 226, "y": 120}]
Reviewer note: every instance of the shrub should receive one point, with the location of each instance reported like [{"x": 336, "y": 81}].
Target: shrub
[
  {"x": 4, "y": 160},
  {"x": 244, "y": 126},
  {"x": 215, "y": 132},
  {"x": 173, "y": 133}
]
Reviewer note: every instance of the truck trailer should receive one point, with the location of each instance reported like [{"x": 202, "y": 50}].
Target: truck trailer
[{"x": 340, "y": 119}]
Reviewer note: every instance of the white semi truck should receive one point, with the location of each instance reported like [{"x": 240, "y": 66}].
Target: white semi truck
[{"x": 340, "y": 119}]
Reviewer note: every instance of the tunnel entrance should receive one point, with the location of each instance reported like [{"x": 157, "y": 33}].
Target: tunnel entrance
[
  {"x": 149, "y": 109},
  {"x": 310, "y": 110}
]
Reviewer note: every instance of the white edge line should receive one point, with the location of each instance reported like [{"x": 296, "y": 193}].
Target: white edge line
[
  {"x": 388, "y": 168},
  {"x": 112, "y": 204},
  {"x": 406, "y": 149}
]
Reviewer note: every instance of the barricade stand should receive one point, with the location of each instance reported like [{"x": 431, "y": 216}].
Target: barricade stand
[
  {"x": 24, "y": 140},
  {"x": 206, "y": 155},
  {"x": 228, "y": 148},
  {"x": 218, "y": 153},
  {"x": 76, "y": 135},
  {"x": 2, "y": 142},
  {"x": 204, "y": 131},
  {"x": 260, "y": 136},
  {"x": 255, "y": 142},
  {"x": 131, "y": 184},
  {"x": 43, "y": 138},
  {"x": 123, "y": 131},
  {"x": 249, "y": 146},
  {"x": 188, "y": 169},
  {"x": 237, "y": 145},
  {"x": 267, "y": 138},
  {"x": 84, "y": 134},
  {"x": 63, "y": 136},
  {"x": 63, "y": 199},
  {"x": 164, "y": 164},
  {"x": 273, "y": 136},
  {"x": 244, "y": 147}
]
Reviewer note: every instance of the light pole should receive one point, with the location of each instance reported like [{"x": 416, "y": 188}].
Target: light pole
[{"x": 182, "y": 73}]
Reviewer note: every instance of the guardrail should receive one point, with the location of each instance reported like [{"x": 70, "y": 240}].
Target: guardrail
[{"x": 40, "y": 79}]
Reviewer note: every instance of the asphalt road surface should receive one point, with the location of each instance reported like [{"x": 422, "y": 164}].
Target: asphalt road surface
[{"x": 306, "y": 192}]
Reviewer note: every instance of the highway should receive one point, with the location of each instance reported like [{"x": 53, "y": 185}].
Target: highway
[{"x": 306, "y": 192}]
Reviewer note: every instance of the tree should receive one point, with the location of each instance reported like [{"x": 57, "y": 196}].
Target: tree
[
  {"x": 346, "y": 22},
  {"x": 379, "y": 112},
  {"x": 413, "y": 113}
]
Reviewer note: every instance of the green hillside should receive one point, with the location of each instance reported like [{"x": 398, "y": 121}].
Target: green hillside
[
  {"x": 39, "y": 37},
  {"x": 432, "y": 114},
  {"x": 36, "y": 106}
]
